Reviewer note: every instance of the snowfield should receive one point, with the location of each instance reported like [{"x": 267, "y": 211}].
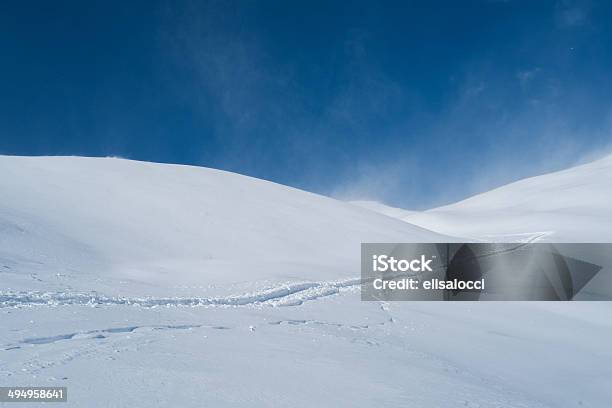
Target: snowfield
[{"x": 138, "y": 284}]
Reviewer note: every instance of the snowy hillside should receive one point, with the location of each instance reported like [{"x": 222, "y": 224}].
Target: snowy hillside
[
  {"x": 147, "y": 285},
  {"x": 132, "y": 227},
  {"x": 574, "y": 205}
]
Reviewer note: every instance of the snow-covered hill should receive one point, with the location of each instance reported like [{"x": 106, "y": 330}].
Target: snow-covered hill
[
  {"x": 147, "y": 285},
  {"x": 129, "y": 227},
  {"x": 573, "y": 205}
]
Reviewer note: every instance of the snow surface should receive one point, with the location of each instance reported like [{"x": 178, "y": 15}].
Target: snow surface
[
  {"x": 573, "y": 205},
  {"x": 140, "y": 284},
  {"x": 130, "y": 228}
]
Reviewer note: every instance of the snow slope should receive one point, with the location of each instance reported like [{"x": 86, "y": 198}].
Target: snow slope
[
  {"x": 573, "y": 205},
  {"x": 147, "y": 285},
  {"x": 134, "y": 227}
]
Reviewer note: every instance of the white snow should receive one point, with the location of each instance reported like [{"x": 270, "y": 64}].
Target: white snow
[
  {"x": 134, "y": 227},
  {"x": 573, "y": 205},
  {"x": 140, "y": 284}
]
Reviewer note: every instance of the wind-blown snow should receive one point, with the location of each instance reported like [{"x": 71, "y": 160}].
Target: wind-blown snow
[{"x": 139, "y": 284}]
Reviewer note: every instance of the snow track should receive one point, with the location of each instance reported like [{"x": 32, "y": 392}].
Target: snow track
[{"x": 290, "y": 294}]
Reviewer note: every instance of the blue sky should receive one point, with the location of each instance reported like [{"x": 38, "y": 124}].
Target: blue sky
[{"x": 415, "y": 104}]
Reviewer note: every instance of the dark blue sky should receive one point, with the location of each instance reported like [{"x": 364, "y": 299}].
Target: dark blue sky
[{"x": 411, "y": 103}]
